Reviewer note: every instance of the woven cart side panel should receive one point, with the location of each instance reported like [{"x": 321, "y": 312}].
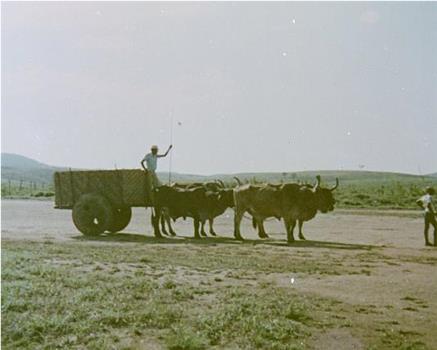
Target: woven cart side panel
[
  {"x": 136, "y": 188},
  {"x": 120, "y": 187},
  {"x": 71, "y": 185},
  {"x": 80, "y": 183},
  {"x": 62, "y": 197},
  {"x": 57, "y": 182},
  {"x": 63, "y": 190},
  {"x": 104, "y": 182}
]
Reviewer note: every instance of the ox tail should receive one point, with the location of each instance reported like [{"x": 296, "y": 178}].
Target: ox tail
[
  {"x": 238, "y": 180},
  {"x": 254, "y": 223}
]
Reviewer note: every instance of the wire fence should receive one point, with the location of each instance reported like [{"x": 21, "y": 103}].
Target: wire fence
[{"x": 26, "y": 188}]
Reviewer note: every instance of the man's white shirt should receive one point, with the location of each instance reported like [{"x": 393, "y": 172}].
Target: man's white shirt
[
  {"x": 427, "y": 203},
  {"x": 151, "y": 161}
]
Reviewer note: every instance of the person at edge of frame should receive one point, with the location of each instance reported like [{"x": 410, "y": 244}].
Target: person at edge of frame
[{"x": 426, "y": 203}]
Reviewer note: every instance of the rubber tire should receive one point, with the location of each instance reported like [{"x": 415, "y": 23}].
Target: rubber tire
[
  {"x": 120, "y": 219},
  {"x": 92, "y": 214}
]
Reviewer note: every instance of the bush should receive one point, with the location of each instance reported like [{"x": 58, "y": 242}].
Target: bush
[{"x": 43, "y": 194}]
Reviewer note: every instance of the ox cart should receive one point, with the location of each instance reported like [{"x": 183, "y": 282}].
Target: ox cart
[{"x": 101, "y": 200}]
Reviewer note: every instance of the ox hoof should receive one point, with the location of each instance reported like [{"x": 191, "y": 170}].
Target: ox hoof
[
  {"x": 173, "y": 233},
  {"x": 265, "y": 235},
  {"x": 203, "y": 234},
  {"x": 302, "y": 237},
  {"x": 213, "y": 233},
  {"x": 238, "y": 238}
]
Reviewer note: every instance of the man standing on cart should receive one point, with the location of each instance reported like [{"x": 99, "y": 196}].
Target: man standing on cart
[{"x": 151, "y": 160}]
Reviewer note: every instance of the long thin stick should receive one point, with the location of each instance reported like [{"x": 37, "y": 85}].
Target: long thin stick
[{"x": 171, "y": 153}]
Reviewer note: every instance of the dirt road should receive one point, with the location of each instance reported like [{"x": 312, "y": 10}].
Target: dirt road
[{"x": 38, "y": 220}]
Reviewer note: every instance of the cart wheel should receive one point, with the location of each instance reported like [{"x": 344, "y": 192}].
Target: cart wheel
[
  {"x": 92, "y": 214},
  {"x": 120, "y": 219}
]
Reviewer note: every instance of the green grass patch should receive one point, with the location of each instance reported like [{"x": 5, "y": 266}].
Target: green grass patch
[
  {"x": 54, "y": 297},
  {"x": 179, "y": 296}
]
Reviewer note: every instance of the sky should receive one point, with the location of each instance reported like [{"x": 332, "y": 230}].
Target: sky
[{"x": 236, "y": 87}]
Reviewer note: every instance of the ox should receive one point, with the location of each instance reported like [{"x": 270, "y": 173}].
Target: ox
[
  {"x": 224, "y": 201},
  {"x": 215, "y": 186},
  {"x": 291, "y": 202},
  {"x": 197, "y": 203}
]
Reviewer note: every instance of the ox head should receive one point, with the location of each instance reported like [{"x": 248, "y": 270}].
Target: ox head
[
  {"x": 324, "y": 196},
  {"x": 226, "y": 197},
  {"x": 160, "y": 194},
  {"x": 162, "y": 188}
]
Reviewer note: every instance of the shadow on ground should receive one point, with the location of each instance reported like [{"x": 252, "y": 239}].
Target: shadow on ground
[{"x": 137, "y": 238}]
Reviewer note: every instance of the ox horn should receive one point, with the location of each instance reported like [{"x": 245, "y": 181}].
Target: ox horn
[
  {"x": 317, "y": 185},
  {"x": 238, "y": 180},
  {"x": 220, "y": 182},
  {"x": 336, "y": 184}
]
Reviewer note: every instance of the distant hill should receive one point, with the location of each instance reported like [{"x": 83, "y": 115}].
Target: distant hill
[
  {"x": 11, "y": 160},
  {"x": 18, "y": 168}
]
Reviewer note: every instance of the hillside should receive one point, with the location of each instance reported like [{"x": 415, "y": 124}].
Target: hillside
[
  {"x": 11, "y": 160},
  {"x": 17, "y": 168}
]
